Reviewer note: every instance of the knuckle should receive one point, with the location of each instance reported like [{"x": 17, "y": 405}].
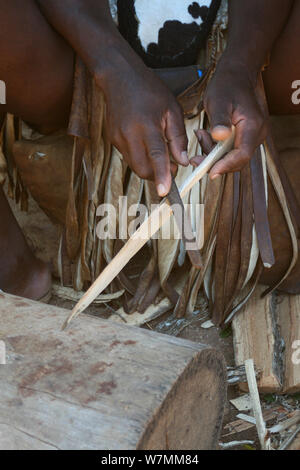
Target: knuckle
[
  {"x": 256, "y": 119},
  {"x": 156, "y": 154},
  {"x": 238, "y": 160},
  {"x": 256, "y": 122},
  {"x": 258, "y": 126}
]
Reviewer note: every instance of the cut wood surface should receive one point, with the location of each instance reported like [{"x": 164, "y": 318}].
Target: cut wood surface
[
  {"x": 254, "y": 337},
  {"x": 103, "y": 385},
  {"x": 268, "y": 330},
  {"x": 289, "y": 321}
]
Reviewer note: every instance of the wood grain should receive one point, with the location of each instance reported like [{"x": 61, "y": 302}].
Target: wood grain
[
  {"x": 289, "y": 322},
  {"x": 253, "y": 338},
  {"x": 104, "y": 385}
]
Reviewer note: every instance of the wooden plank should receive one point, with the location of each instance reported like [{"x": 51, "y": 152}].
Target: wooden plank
[
  {"x": 256, "y": 336},
  {"x": 104, "y": 385},
  {"x": 289, "y": 321}
]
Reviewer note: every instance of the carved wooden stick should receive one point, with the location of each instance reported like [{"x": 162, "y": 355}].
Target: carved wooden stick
[{"x": 151, "y": 225}]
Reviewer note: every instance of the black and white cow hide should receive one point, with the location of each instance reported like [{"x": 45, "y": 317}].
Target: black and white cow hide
[{"x": 167, "y": 33}]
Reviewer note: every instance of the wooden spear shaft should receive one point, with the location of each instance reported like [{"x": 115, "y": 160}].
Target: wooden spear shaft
[{"x": 150, "y": 226}]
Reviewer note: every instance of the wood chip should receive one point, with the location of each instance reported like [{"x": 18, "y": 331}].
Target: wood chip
[
  {"x": 242, "y": 403},
  {"x": 229, "y": 445},
  {"x": 138, "y": 319},
  {"x": 208, "y": 324}
]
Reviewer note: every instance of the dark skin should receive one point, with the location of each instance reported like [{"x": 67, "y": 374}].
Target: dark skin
[
  {"x": 38, "y": 43},
  {"x": 31, "y": 56},
  {"x": 256, "y": 29},
  {"x": 144, "y": 138},
  {"x": 20, "y": 272}
]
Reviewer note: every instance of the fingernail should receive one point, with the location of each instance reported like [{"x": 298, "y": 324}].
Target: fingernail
[
  {"x": 184, "y": 156},
  {"x": 161, "y": 189},
  {"x": 220, "y": 131}
]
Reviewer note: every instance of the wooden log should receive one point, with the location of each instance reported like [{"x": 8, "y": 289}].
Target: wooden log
[
  {"x": 289, "y": 321},
  {"x": 104, "y": 385},
  {"x": 256, "y": 335}
]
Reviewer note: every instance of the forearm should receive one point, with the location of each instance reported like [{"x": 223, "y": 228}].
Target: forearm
[
  {"x": 88, "y": 27},
  {"x": 254, "y": 26}
]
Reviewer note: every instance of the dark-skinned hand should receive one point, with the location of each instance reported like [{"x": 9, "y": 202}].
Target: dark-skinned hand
[
  {"x": 145, "y": 123},
  {"x": 232, "y": 99}
]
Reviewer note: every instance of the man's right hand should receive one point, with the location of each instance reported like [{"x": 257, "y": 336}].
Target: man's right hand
[{"x": 145, "y": 123}]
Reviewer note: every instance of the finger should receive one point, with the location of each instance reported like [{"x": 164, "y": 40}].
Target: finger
[
  {"x": 219, "y": 115},
  {"x": 233, "y": 161},
  {"x": 196, "y": 161},
  {"x": 138, "y": 161},
  {"x": 158, "y": 156},
  {"x": 205, "y": 140},
  {"x": 174, "y": 169},
  {"x": 249, "y": 135},
  {"x": 177, "y": 139}
]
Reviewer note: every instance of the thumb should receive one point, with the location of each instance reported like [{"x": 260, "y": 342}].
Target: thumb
[{"x": 220, "y": 119}]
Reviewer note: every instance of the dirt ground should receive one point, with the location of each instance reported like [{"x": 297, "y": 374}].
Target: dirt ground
[{"x": 43, "y": 236}]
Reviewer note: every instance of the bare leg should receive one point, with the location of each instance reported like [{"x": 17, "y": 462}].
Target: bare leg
[
  {"x": 37, "y": 66},
  {"x": 20, "y": 272}
]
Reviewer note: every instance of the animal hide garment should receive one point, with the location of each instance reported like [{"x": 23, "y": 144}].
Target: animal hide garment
[
  {"x": 167, "y": 33},
  {"x": 114, "y": 10}
]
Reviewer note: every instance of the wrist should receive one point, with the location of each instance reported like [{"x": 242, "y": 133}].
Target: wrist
[
  {"x": 117, "y": 62},
  {"x": 239, "y": 67}
]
